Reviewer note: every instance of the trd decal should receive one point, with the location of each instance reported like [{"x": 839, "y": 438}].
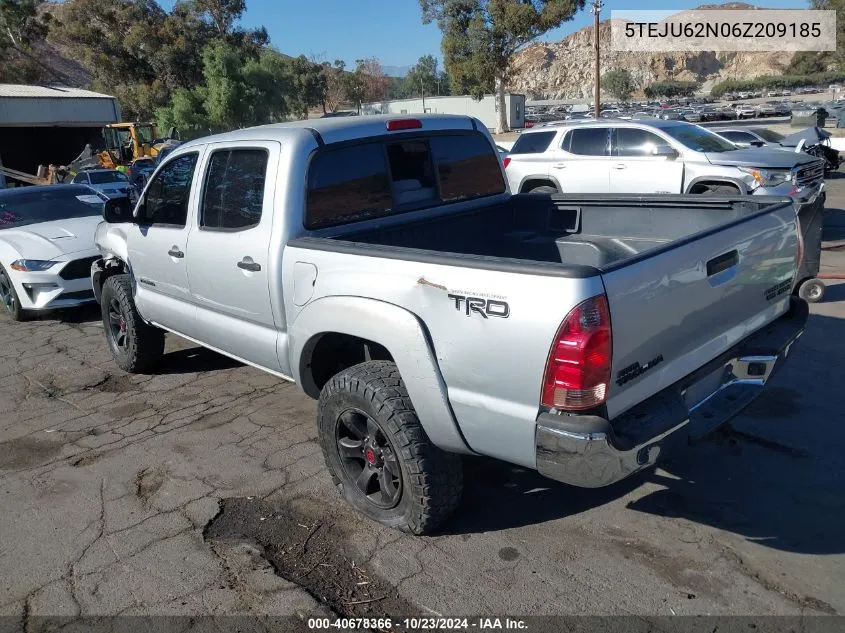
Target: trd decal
[
  {"x": 776, "y": 291},
  {"x": 636, "y": 370},
  {"x": 485, "y": 307}
]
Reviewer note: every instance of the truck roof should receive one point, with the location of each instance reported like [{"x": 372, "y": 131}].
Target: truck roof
[{"x": 338, "y": 129}]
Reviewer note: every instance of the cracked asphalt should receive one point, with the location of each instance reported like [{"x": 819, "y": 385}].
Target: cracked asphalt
[{"x": 189, "y": 491}]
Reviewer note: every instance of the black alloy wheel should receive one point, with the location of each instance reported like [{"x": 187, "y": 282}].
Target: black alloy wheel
[
  {"x": 117, "y": 326},
  {"x": 369, "y": 461}
]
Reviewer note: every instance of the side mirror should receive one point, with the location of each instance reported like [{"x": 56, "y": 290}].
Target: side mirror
[
  {"x": 117, "y": 210},
  {"x": 666, "y": 151},
  {"x": 757, "y": 143}
]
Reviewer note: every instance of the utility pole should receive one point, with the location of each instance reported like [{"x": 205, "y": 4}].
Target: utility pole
[
  {"x": 422, "y": 92},
  {"x": 597, "y": 96}
]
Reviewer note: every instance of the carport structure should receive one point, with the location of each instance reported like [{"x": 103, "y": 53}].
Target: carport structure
[{"x": 40, "y": 125}]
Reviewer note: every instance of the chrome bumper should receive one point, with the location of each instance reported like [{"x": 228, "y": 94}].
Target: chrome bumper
[{"x": 590, "y": 452}]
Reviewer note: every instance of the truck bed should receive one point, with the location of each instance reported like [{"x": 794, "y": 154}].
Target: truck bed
[
  {"x": 686, "y": 278},
  {"x": 592, "y": 231}
]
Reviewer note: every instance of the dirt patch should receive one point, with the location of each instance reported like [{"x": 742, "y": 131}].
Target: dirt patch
[
  {"x": 148, "y": 482},
  {"x": 311, "y": 553},
  {"x": 806, "y": 602},
  {"x": 508, "y": 553},
  {"x": 27, "y": 452},
  {"x": 115, "y": 384}
]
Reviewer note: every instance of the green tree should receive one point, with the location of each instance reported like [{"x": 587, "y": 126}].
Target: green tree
[
  {"x": 220, "y": 14},
  {"x": 481, "y": 36},
  {"x": 21, "y": 27},
  {"x": 671, "y": 89},
  {"x": 237, "y": 90},
  {"x": 337, "y": 84},
  {"x": 307, "y": 86},
  {"x": 425, "y": 77},
  {"x": 619, "y": 83},
  {"x": 806, "y": 62},
  {"x": 141, "y": 53}
]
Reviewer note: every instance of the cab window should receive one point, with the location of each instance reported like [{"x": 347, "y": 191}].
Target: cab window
[
  {"x": 587, "y": 141},
  {"x": 165, "y": 201}
]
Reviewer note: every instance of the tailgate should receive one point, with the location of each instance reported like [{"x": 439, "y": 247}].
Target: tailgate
[{"x": 676, "y": 308}]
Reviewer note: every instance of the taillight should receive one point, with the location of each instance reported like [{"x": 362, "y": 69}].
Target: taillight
[
  {"x": 403, "y": 124},
  {"x": 578, "y": 368},
  {"x": 506, "y": 161}
]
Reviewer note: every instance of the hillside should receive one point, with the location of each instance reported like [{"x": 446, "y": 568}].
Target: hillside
[{"x": 564, "y": 69}]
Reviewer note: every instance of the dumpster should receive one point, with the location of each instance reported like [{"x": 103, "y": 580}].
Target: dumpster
[{"x": 815, "y": 117}]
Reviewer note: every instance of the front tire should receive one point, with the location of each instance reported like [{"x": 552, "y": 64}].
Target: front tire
[
  {"x": 379, "y": 456},
  {"x": 135, "y": 345},
  {"x": 9, "y": 298}
]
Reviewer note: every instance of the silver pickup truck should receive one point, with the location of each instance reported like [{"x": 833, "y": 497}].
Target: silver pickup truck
[{"x": 383, "y": 265}]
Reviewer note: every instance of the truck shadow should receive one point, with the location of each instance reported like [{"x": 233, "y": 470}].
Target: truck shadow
[
  {"x": 775, "y": 475},
  {"x": 194, "y": 360}
]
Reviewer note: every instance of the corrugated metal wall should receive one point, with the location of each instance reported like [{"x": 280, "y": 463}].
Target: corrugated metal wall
[
  {"x": 484, "y": 110},
  {"x": 61, "y": 111}
]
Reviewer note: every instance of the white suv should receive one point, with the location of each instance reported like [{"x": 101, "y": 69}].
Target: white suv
[{"x": 654, "y": 157}]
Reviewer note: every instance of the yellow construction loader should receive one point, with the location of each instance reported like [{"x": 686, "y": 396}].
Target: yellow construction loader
[{"x": 126, "y": 142}]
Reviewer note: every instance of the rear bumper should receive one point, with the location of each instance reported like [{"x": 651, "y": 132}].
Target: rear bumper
[{"x": 591, "y": 452}]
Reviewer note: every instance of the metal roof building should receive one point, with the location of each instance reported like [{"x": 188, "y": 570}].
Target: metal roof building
[
  {"x": 55, "y": 106},
  {"x": 43, "y": 125}
]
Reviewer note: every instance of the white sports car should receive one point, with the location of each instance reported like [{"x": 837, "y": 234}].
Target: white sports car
[{"x": 47, "y": 246}]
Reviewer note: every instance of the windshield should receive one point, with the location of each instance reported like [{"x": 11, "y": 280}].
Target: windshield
[
  {"x": 769, "y": 135},
  {"x": 106, "y": 177},
  {"x": 145, "y": 134},
  {"x": 39, "y": 205},
  {"x": 698, "y": 139}
]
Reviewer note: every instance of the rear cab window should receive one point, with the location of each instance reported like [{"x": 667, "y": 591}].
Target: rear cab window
[
  {"x": 533, "y": 143},
  {"x": 385, "y": 177}
]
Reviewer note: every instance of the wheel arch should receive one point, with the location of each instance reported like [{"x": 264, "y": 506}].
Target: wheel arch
[
  {"x": 323, "y": 334},
  {"x": 696, "y": 184},
  {"x": 105, "y": 268},
  {"x": 538, "y": 180}
]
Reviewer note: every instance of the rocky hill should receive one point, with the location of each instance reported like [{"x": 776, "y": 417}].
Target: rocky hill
[{"x": 564, "y": 69}]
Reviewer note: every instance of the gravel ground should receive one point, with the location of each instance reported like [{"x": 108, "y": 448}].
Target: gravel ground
[{"x": 201, "y": 491}]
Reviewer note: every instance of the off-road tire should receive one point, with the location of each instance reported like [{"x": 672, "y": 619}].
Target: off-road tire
[
  {"x": 144, "y": 344},
  {"x": 15, "y": 311},
  {"x": 431, "y": 478},
  {"x": 543, "y": 189}
]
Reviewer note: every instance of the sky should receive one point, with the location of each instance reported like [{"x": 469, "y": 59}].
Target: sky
[{"x": 392, "y": 30}]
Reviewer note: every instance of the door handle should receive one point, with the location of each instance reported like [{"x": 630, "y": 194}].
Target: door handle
[
  {"x": 722, "y": 263},
  {"x": 620, "y": 166},
  {"x": 247, "y": 264},
  {"x": 559, "y": 165},
  {"x": 175, "y": 252}
]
